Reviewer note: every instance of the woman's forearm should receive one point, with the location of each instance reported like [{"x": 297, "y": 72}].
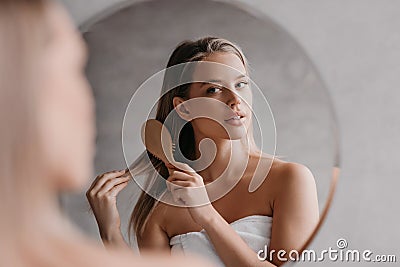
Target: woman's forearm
[
  {"x": 114, "y": 240},
  {"x": 231, "y": 248}
]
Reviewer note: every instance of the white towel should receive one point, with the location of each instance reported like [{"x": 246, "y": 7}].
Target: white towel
[{"x": 255, "y": 230}]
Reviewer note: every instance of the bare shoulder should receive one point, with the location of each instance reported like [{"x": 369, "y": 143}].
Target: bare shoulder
[
  {"x": 295, "y": 188},
  {"x": 159, "y": 213},
  {"x": 284, "y": 178},
  {"x": 157, "y": 217},
  {"x": 170, "y": 218},
  {"x": 153, "y": 235},
  {"x": 287, "y": 173},
  {"x": 165, "y": 216}
]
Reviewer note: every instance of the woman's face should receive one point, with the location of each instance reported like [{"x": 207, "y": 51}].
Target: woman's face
[
  {"x": 222, "y": 106},
  {"x": 66, "y": 105}
]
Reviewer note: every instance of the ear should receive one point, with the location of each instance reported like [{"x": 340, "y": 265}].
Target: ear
[{"x": 181, "y": 108}]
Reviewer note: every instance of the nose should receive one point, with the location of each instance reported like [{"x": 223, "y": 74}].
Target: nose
[{"x": 233, "y": 99}]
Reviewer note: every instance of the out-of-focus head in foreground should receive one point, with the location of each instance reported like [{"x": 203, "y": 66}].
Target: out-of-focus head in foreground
[
  {"x": 46, "y": 115},
  {"x": 47, "y": 138},
  {"x": 46, "y": 109}
]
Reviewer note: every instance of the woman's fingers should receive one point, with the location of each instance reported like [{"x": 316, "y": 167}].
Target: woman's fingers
[
  {"x": 184, "y": 167},
  {"x": 99, "y": 178},
  {"x": 181, "y": 179},
  {"x": 187, "y": 187},
  {"x": 127, "y": 173},
  {"x": 102, "y": 179},
  {"x": 178, "y": 183},
  {"x": 178, "y": 175},
  {"x": 112, "y": 183},
  {"x": 116, "y": 189}
]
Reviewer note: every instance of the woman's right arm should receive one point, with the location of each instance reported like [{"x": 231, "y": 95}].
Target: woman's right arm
[
  {"x": 154, "y": 237},
  {"x": 102, "y": 197}
]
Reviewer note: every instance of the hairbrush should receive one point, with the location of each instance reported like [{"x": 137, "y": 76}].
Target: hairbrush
[{"x": 158, "y": 141}]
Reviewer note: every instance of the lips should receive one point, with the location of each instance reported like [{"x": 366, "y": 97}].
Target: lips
[
  {"x": 238, "y": 115},
  {"x": 236, "y": 120}
]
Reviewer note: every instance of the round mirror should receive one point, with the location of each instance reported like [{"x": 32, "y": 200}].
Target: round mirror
[{"x": 131, "y": 42}]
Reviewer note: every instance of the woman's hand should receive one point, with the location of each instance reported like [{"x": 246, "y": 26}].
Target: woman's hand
[
  {"x": 187, "y": 188},
  {"x": 102, "y": 196}
]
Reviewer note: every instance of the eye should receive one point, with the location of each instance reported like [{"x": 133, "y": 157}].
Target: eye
[
  {"x": 242, "y": 84},
  {"x": 213, "y": 90}
]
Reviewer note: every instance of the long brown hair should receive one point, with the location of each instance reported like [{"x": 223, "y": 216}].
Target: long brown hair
[{"x": 186, "y": 51}]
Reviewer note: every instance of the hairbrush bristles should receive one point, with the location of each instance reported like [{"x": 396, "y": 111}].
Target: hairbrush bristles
[
  {"x": 154, "y": 156},
  {"x": 158, "y": 141},
  {"x": 173, "y": 147}
]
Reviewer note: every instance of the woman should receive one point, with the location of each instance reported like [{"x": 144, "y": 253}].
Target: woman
[
  {"x": 287, "y": 193},
  {"x": 47, "y": 140}
]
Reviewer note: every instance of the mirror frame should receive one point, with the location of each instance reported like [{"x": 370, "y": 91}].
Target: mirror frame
[{"x": 251, "y": 9}]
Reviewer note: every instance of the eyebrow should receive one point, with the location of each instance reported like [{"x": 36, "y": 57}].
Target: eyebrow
[{"x": 219, "y": 81}]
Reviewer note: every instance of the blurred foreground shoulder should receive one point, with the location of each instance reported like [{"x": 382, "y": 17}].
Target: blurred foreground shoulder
[
  {"x": 151, "y": 259},
  {"x": 91, "y": 254}
]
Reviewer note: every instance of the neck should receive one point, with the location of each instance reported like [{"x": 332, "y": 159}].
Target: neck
[{"x": 229, "y": 154}]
